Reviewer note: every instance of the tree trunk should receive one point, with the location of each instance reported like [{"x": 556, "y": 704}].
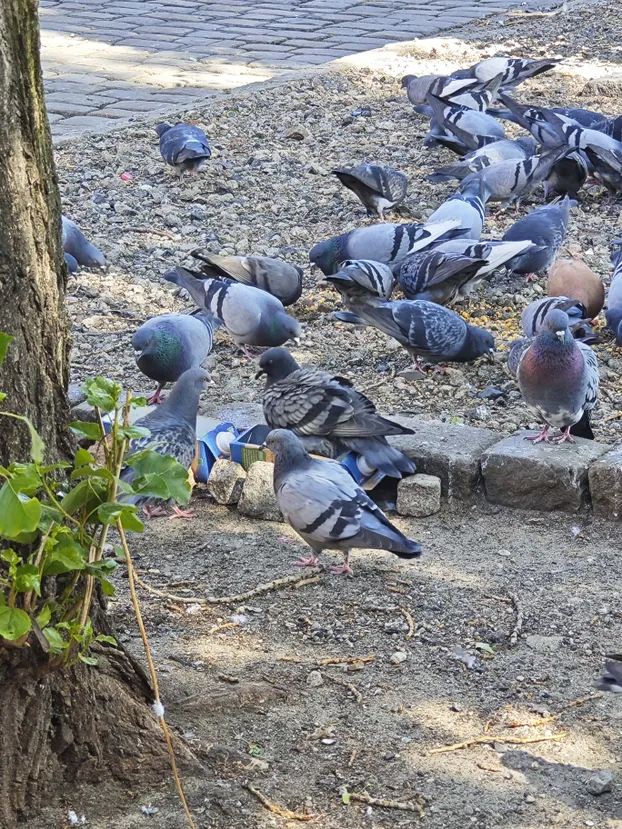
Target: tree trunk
[{"x": 32, "y": 271}]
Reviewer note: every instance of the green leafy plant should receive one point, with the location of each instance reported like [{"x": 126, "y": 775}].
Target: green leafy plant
[{"x": 55, "y": 521}]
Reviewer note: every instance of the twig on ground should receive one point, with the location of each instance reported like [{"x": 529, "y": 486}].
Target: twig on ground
[
  {"x": 406, "y": 806},
  {"x": 393, "y": 589},
  {"x": 272, "y": 807},
  {"x": 357, "y": 694},
  {"x": 504, "y": 599},
  {"x": 543, "y": 720},
  {"x": 483, "y": 739},
  {"x": 329, "y": 660},
  {"x": 225, "y": 626},
  {"x": 156, "y": 232},
  {"x": 305, "y": 582},
  {"x": 520, "y": 16},
  {"x": 411, "y": 623},
  {"x": 611, "y": 416},
  {"x": 353, "y": 757},
  {"x": 518, "y": 627}
]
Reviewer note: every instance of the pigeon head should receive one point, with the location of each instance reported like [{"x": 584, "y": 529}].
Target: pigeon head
[
  {"x": 479, "y": 342},
  {"x": 276, "y": 364},
  {"x": 288, "y": 451},
  {"x": 555, "y": 327},
  {"x": 160, "y": 345},
  {"x": 327, "y": 254},
  {"x": 280, "y": 328},
  {"x": 162, "y": 128},
  {"x": 183, "y": 401},
  {"x": 406, "y": 80}
]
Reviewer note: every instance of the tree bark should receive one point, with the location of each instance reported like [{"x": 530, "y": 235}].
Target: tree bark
[{"x": 32, "y": 271}]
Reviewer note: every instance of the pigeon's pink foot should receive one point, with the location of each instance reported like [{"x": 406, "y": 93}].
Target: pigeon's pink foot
[
  {"x": 307, "y": 562},
  {"x": 251, "y": 353},
  {"x": 566, "y": 437},
  {"x": 154, "y": 512},
  {"x": 541, "y": 437},
  {"x": 343, "y": 569},
  {"x": 180, "y": 513},
  {"x": 156, "y": 397},
  {"x": 440, "y": 369},
  {"x": 531, "y": 277}
]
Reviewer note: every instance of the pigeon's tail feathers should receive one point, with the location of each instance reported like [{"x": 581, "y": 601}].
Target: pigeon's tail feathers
[
  {"x": 207, "y": 318},
  {"x": 349, "y": 317},
  {"x": 583, "y": 428},
  {"x": 192, "y": 149},
  {"x": 377, "y": 532},
  {"x": 380, "y": 455},
  {"x": 612, "y": 681},
  {"x": 458, "y": 171},
  {"x": 189, "y": 281}
]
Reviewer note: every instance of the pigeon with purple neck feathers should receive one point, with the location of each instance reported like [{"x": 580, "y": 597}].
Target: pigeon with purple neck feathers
[
  {"x": 613, "y": 313},
  {"x": 558, "y": 378},
  {"x": 78, "y": 249},
  {"x": 313, "y": 403},
  {"x": 167, "y": 346},
  {"x": 379, "y": 188},
  {"x": 172, "y": 428},
  {"x": 327, "y": 508},
  {"x": 184, "y": 146}
]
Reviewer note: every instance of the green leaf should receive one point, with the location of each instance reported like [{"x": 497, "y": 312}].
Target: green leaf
[
  {"x": 25, "y": 478},
  {"x": 2, "y": 395},
  {"x": 27, "y": 578},
  {"x": 483, "y": 646},
  {"x": 55, "y": 640},
  {"x": 132, "y": 432},
  {"x": 88, "y": 493},
  {"x": 109, "y": 512},
  {"x": 119, "y": 551},
  {"x": 83, "y": 429},
  {"x": 108, "y": 588},
  {"x": 159, "y": 476},
  {"x": 37, "y": 446},
  {"x": 66, "y": 556},
  {"x": 43, "y": 619},
  {"x": 49, "y": 516},
  {"x": 88, "y": 660},
  {"x": 11, "y": 557},
  {"x": 5, "y": 341},
  {"x": 346, "y": 797},
  {"x": 89, "y": 472},
  {"x": 102, "y": 393},
  {"x": 18, "y": 513},
  {"x": 110, "y": 640},
  {"x": 13, "y": 623},
  {"x": 138, "y": 402}
]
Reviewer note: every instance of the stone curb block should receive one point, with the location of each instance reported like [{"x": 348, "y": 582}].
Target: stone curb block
[{"x": 605, "y": 481}]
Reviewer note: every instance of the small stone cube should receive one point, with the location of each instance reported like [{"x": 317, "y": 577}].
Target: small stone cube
[
  {"x": 258, "y": 499},
  {"x": 419, "y": 495},
  {"x": 226, "y": 481}
]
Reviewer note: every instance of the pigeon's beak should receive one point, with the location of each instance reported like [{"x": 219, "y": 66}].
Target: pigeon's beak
[
  {"x": 259, "y": 374},
  {"x": 491, "y": 355},
  {"x": 296, "y": 340},
  {"x": 208, "y": 381},
  {"x": 560, "y": 334},
  {"x": 138, "y": 354}
]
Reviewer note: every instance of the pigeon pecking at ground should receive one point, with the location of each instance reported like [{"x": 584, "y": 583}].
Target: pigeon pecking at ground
[
  {"x": 171, "y": 344},
  {"x": 546, "y": 228},
  {"x": 184, "y": 146},
  {"x": 613, "y": 313},
  {"x": 472, "y": 162},
  {"x": 379, "y": 188},
  {"x": 282, "y": 280},
  {"x": 424, "y": 329},
  {"x": 173, "y": 432},
  {"x": 327, "y": 508},
  {"x": 78, "y": 247},
  {"x": 375, "y": 277},
  {"x": 467, "y": 207},
  {"x": 314, "y": 403},
  {"x": 437, "y": 276},
  {"x": 558, "y": 378},
  {"x": 462, "y": 129},
  {"x": 513, "y": 71},
  {"x": 250, "y": 316}
]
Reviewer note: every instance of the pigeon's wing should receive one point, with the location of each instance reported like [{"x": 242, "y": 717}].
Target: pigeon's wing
[
  {"x": 429, "y": 328},
  {"x": 517, "y": 351},
  {"x": 308, "y": 403},
  {"x": 591, "y": 374},
  {"x": 612, "y": 680}
]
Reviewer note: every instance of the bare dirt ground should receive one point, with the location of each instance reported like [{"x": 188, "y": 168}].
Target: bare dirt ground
[{"x": 239, "y": 678}]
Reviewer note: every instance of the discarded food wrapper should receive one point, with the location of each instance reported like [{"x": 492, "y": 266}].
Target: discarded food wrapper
[{"x": 213, "y": 445}]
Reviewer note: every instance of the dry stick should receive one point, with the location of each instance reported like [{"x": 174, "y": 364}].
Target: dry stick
[
  {"x": 494, "y": 738},
  {"x": 518, "y": 627},
  {"x": 272, "y": 807},
  {"x": 329, "y": 660},
  {"x": 357, "y": 694},
  {"x": 612, "y": 416},
  {"x": 256, "y": 591},
  {"x": 157, "y": 706},
  {"x": 363, "y": 797},
  {"x": 543, "y": 720},
  {"x": 305, "y": 582},
  {"x": 166, "y": 233},
  {"x": 411, "y": 623}
]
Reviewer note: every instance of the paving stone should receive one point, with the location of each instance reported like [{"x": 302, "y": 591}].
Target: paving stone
[
  {"x": 92, "y": 101},
  {"x": 419, "y": 495},
  {"x": 541, "y": 477},
  {"x": 140, "y": 106},
  {"x": 68, "y": 109},
  {"x": 91, "y": 122},
  {"x": 605, "y": 480},
  {"x": 258, "y": 499},
  {"x": 452, "y": 452}
]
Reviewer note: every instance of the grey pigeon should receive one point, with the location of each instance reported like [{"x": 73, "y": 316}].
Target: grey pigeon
[
  {"x": 536, "y": 119},
  {"x": 468, "y": 129},
  {"x": 567, "y": 176},
  {"x": 78, "y": 247},
  {"x": 558, "y": 378},
  {"x": 72, "y": 263},
  {"x": 513, "y": 71},
  {"x": 173, "y": 431},
  {"x": 171, "y": 344},
  {"x": 424, "y": 329},
  {"x": 282, "y": 280},
  {"x": 468, "y": 207},
  {"x": 534, "y": 314},
  {"x": 387, "y": 243},
  {"x": 613, "y": 313},
  {"x": 184, "y": 146},
  {"x": 437, "y": 276},
  {"x": 502, "y": 150},
  {"x": 379, "y": 188},
  {"x": 327, "y": 508},
  {"x": 375, "y": 277},
  {"x": 510, "y": 181},
  {"x": 417, "y": 87},
  {"x": 313, "y": 403},
  {"x": 250, "y": 315},
  {"x": 546, "y": 227},
  {"x": 612, "y": 680},
  {"x": 611, "y": 126},
  {"x": 495, "y": 254}
]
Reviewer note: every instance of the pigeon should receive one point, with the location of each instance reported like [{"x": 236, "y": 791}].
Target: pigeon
[
  {"x": 282, "y": 280},
  {"x": 546, "y": 227},
  {"x": 171, "y": 344},
  {"x": 534, "y": 314},
  {"x": 327, "y": 508},
  {"x": 612, "y": 680},
  {"x": 72, "y": 263},
  {"x": 387, "y": 243},
  {"x": 375, "y": 277},
  {"x": 611, "y": 126},
  {"x": 172, "y": 428},
  {"x": 466, "y": 129},
  {"x": 513, "y": 71},
  {"x": 313, "y": 403},
  {"x": 184, "y": 146},
  {"x": 510, "y": 181},
  {"x": 379, "y": 188},
  {"x": 614, "y": 296},
  {"x": 573, "y": 278},
  {"x": 251, "y": 316},
  {"x": 79, "y": 248},
  {"x": 567, "y": 176},
  {"x": 445, "y": 87},
  {"x": 424, "y": 329},
  {"x": 495, "y": 254},
  {"x": 558, "y": 378},
  {"x": 485, "y": 156},
  {"x": 467, "y": 207},
  {"x": 437, "y": 276},
  {"x": 537, "y": 120}
]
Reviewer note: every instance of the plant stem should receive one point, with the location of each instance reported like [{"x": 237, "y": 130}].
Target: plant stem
[
  {"x": 152, "y": 672},
  {"x": 37, "y": 563}
]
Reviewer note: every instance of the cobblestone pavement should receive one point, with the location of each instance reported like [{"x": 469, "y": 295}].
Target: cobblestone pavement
[{"x": 114, "y": 59}]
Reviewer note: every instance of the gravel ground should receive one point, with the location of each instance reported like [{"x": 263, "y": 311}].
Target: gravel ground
[{"x": 268, "y": 723}]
